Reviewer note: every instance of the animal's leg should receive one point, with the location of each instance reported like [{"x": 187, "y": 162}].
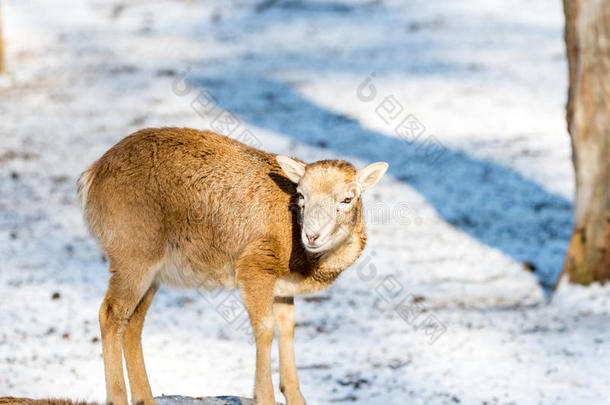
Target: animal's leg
[
  {"x": 125, "y": 291},
  {"x": 132, "y": 350},
  {"x": 283, "y": 310},
  {"x": 256, "y": 273}
]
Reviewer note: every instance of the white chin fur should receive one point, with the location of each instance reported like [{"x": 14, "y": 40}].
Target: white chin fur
[{"x": 317, "y": 249}]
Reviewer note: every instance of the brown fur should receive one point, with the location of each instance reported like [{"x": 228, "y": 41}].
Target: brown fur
[{"x": 197, "y": 209}]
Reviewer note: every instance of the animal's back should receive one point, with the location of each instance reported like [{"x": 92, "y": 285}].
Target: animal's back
[{"x": 190, "y": 199}]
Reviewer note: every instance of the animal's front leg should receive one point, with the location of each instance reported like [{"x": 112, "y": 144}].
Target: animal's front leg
[
  {"x": 259, "y": 305},
  {"x": 256, "y": 273},
  {"x": 283, "y": 310}
]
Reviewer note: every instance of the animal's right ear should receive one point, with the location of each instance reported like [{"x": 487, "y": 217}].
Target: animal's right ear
[{"x": 294, "y": 170}]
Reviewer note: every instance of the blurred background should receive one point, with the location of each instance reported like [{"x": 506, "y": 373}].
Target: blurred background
[{"x": 467, "y": 234}]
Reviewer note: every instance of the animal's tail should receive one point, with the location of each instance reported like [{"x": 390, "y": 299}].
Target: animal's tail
[{"x": 83, "y": 183}]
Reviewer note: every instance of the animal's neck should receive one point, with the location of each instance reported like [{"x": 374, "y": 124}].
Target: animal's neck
[{"x": 316, "y": 272}]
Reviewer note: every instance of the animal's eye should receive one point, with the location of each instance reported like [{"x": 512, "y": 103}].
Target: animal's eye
[
  {"x": 347, "y": 200},
  {"x": 300, "y": 196}
]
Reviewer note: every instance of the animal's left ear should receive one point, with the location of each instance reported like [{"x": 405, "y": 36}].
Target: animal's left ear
[{"x": 369, "y": 176}]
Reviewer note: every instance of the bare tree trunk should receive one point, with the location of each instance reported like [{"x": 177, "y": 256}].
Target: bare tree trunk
[
  {"x": 1, "y": 42},
  {"x": 587, "y": 35}
]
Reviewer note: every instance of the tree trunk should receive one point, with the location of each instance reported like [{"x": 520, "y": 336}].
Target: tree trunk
[
  {"x": 587, "y": 35},
  {"x": 1, "y": 42}
]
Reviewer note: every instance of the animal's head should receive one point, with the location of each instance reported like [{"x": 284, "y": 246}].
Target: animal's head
[{"x": 329, "y": 197}]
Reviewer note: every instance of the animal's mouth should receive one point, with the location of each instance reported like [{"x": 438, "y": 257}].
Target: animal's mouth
[{"x": 316, "y": 247}]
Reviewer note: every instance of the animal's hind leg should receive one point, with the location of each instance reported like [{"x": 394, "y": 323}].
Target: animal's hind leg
[
  {"x": 126, "y": 288},
  {"x": 132, "y": 350}
]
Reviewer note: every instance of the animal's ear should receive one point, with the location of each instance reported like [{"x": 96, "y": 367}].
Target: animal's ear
[
  {"x": 294, "y": 170},
  {"x": 368, "y": 176}
]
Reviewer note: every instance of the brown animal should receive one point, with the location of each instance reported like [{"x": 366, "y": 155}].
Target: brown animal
[{"x": 196, "y": 209}]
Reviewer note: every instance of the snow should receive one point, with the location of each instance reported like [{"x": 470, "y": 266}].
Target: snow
[
  {"x": 439, "y": 310},
  {"x": 180, "y": 400}
]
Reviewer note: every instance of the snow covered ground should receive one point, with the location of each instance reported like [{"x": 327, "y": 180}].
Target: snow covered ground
[{"x": 439, "y": 310}]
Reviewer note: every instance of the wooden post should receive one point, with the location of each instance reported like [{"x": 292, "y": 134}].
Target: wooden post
[
  {"x": 1, "y": 42},
  {"x": 587, "y": 35}
]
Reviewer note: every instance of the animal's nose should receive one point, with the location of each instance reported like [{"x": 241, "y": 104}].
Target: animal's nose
[{"x": 312, "y": 238}]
